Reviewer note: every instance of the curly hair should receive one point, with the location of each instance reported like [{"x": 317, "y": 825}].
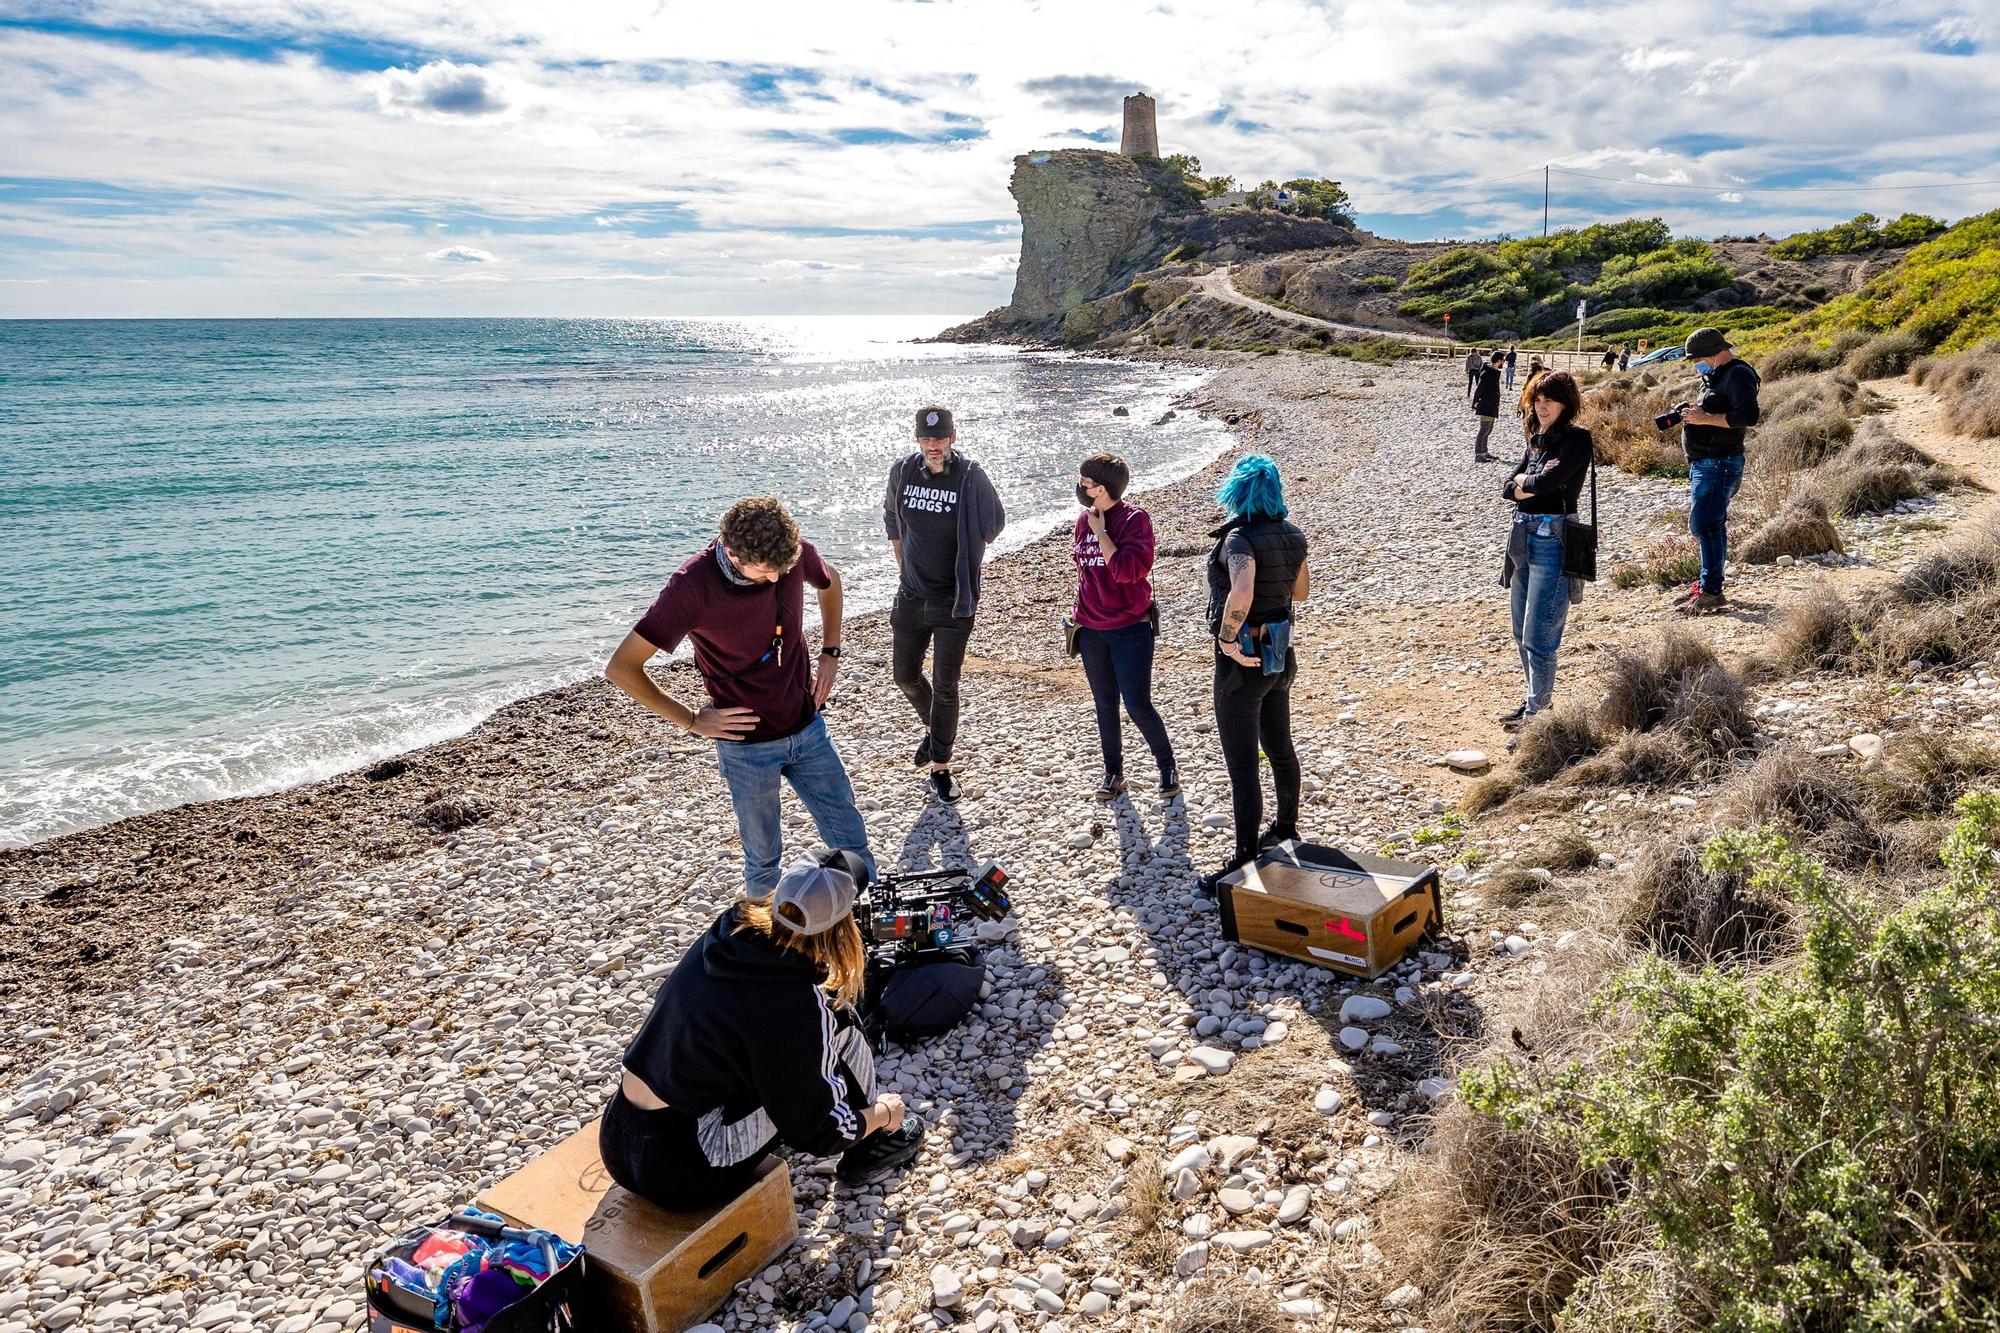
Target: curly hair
[
  {"x": 760, "y": 531},
  {"x": 1253, "y": 489}
]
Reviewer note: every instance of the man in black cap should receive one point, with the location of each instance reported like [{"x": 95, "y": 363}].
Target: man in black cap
[
  {"x": 939, "y": 512},
  {"x": 1712, "y": 434},
  {"x": 1486, "y": 404}
]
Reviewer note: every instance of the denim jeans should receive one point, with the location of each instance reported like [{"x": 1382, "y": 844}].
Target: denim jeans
[
  {"x": 1119, "y": 662},
  {"x": 1712, "y": 484},
  {"x": 807, "y": 760},
  {"x": 1541, "y": 608}
]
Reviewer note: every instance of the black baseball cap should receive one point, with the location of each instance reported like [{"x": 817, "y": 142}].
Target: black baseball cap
[
  {"x": 1705, "y": 342},
  {"x": 934, "y": 423}
]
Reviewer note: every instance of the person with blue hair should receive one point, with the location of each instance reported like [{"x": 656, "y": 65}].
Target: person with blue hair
[{"x": 1255, "y": 574}]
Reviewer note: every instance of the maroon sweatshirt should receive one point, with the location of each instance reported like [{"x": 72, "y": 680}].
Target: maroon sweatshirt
[{"x": 1115, "y": 595}]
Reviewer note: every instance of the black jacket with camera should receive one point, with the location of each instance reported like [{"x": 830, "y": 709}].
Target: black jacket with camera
[{"x": 1730, "y": 391}]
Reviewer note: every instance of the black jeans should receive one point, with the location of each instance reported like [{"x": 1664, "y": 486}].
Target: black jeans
[
  {"x": 915, "y": 625},
  {"x": 1253, "y": 710},
  {"x": 1119, "y": 663}
]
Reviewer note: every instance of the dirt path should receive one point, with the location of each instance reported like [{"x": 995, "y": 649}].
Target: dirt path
[{"x": 1222, "y": 287}]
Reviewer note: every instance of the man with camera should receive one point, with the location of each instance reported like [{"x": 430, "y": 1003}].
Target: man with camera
[
  {"x": 1712, "y": 434},
  {"x": 741, "y": 601}
]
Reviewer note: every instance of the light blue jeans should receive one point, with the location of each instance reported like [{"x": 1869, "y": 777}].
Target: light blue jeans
[
  {"x": 1541, "y": 608},
  {"x": 808, "y": 761}
]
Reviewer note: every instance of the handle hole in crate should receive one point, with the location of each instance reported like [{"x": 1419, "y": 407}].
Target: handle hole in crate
[{"x": 724, "y": 1255}]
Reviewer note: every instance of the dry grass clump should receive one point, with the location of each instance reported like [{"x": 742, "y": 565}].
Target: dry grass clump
[
  {"x": 1553, "y": 740},
  {"x": 1227, "y": 1307},
  {"x": 1968, "y": 565},
  {"x": 1802, "y": 440},
  {"x": 1878, "y": 470},
  {"x": 1501, "y": 1224},
  {"x": 1812, "y": 395},
  {"x": 1672, "y": 562},
  {"x": 1678, "y": 909},
  {"x": 1942, "y": 611},
  {"x": 1817, "y": 629},
  {"x": 1620, "y": 417},
  {"x": 1569, "y": 853},
  {"x": 1884, "y": 355},
  {"x": 1968, "y": 383},
  {"x": 1680, "y": 686},
  {"x": 1151, "y": 1222},
  {"x": 1640, "y": 759},
  {"x": 1922, "y": 775},
  {"x": 1492, "y": 790},
  {"x": 1791, "y": 360},
  {"x": 1802, "y": 528},
  {"x": 1790, "y": 788}
]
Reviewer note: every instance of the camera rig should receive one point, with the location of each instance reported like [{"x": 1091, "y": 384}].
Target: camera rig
[{"x": 912, "y": 916}]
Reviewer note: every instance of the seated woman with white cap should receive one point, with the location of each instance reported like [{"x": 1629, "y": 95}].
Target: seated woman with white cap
[{"x": 753, "y": 1041}]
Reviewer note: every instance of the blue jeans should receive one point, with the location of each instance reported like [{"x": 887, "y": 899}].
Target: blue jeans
[
  {"x": 807, "y": 760},
  {"x": 1119, "y": 663},
  {"x": 1510, "y": 376},
  {"x": 1541, "y": 608},
  {"x": 1712, "y": 484}
]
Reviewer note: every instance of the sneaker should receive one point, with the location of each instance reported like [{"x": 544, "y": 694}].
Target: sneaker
[
  {"x": 1702, "y": 604},
  {"x": 882, "y": 1152},
  {"x": 1113, "y": 786},
  {"x": 1276, "y": 834},
  {"x": 943, "y": 786},
  {"x": 1211, "y": 884},
  {"x": 1483, "y": 458},
  {"x": 1512, "y": 721},
  {"x": 922, "y": 758},
  {"x": 1170, "y": 782}
]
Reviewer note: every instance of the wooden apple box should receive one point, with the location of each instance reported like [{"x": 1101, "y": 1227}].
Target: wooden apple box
[
  {"x": 647, "y": 1270},
  {"x": 1352, "y": 913}
]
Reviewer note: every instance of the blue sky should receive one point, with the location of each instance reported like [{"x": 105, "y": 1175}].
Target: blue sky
[{"x": 631, "y": 157}]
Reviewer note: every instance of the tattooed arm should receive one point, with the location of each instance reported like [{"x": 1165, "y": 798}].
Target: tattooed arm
[{"x": 1237, "y": 609}]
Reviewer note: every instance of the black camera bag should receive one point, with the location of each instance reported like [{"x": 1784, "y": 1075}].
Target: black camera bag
[{"x": 916, "y": 999}]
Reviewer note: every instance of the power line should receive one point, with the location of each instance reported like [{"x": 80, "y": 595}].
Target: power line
[{"x": 1775, "y": 189}]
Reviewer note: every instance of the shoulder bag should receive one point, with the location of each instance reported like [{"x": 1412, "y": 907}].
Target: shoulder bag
[{"x": 1580, "y": 539}]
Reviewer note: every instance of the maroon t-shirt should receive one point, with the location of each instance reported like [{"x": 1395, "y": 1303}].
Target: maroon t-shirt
[{"x": 732, "y": 629}]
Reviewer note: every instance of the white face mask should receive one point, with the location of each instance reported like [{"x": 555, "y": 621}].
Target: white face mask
[{"x": 1704, "y": 368}]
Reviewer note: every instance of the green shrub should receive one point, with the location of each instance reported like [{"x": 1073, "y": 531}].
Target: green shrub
[
  {"x": 1814, "y": 1146},
  {"x": 1945, "y": 291},
  {"x": 1858, "y": 235},
  {"x": 1381, "y": 282}
]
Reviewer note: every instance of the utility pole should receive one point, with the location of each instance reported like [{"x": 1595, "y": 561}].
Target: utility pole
[{"x": 1545, "y": 198}]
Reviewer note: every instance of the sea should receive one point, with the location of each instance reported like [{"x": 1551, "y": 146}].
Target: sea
[{"x": 240, "y": 555}]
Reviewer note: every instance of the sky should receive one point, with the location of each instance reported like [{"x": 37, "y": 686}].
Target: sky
[{"x": 653, "y": 157}]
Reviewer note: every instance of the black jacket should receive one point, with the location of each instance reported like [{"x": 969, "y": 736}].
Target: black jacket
[
  {"x": 1552, "y": 471},
  {"x": 741, "y": 1023},
  {"x": 1731, "y": 391},
  {"x": 1486, "y": 397}
]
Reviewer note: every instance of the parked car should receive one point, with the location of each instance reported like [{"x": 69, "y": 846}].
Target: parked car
[{"x": 1658, "y": 357}]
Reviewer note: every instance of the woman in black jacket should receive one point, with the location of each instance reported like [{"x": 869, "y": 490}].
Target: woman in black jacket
[
  {"x": 751, "y": 1040},
  {"x": 1255, "y": 573},
  {"x": 1544, "y": 488}
]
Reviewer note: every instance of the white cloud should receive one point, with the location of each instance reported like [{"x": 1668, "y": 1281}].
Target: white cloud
[
  {"x": 1730, "y": 197},
  {"x": 595, "y": 143},
  {"x": 463, "y": 254},
  {"x": 1675, "y": 177}
]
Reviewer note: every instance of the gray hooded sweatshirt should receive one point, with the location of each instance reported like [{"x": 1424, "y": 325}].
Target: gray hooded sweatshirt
[{"x": 980, "y": 520}]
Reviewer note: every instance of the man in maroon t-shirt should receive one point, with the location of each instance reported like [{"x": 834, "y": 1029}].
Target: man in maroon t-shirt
[{"x": 741, "y": 602}]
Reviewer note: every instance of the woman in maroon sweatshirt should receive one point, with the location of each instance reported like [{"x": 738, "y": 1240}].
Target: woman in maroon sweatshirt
[{"x": 1116, "y": 627}]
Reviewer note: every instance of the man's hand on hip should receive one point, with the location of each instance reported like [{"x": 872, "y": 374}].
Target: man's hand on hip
[{"x": 724, "y": 724}]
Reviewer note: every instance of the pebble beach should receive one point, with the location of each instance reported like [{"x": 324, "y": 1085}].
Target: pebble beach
[{"x": 246, "y": 1042}]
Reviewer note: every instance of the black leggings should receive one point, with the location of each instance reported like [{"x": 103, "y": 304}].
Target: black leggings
[
  {"x": 1253, "y": 710},
  {"x": 914, "y": 626},
  {"x": 1119, "y": 663}
]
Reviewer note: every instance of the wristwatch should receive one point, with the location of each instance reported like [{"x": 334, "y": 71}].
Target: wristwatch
[{"x": 832, "y": 650}]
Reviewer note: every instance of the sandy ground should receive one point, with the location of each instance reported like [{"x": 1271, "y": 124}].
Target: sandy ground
[{"x": 247, "y": 1040}]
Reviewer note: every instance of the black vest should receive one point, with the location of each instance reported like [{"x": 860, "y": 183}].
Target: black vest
[{"x": 1280, "y": 549}]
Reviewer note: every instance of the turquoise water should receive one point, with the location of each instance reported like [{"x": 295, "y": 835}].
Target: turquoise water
[{"x": 239, "y": 555}]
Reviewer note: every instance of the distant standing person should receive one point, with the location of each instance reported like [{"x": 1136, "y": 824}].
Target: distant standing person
[
  {"x": 1712, "y": 434},
  {"x": 1473, "y": 361},
  {"x": 1116, "y": 625},
  {"x": 939, "y": 512},
  {"x": 1512, "y": 353},
  {"x": 1610, "y": 359},
  {"x": 1545, "y": 489},
  {"x": 1255, "y": 574},
  {"x": 1486, "y": 406},
  {"x": 1625, "y": 357},
  {"x": 741, "y": 602}
]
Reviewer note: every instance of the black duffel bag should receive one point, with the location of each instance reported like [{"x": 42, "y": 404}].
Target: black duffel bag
[{"x": 915, "y": 999}]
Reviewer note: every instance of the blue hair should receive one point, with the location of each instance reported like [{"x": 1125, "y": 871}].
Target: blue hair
[{"x": 1253, "y": 489}]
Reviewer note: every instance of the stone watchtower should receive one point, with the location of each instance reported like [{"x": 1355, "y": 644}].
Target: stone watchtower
[{"x": 1142, "y": 135}]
